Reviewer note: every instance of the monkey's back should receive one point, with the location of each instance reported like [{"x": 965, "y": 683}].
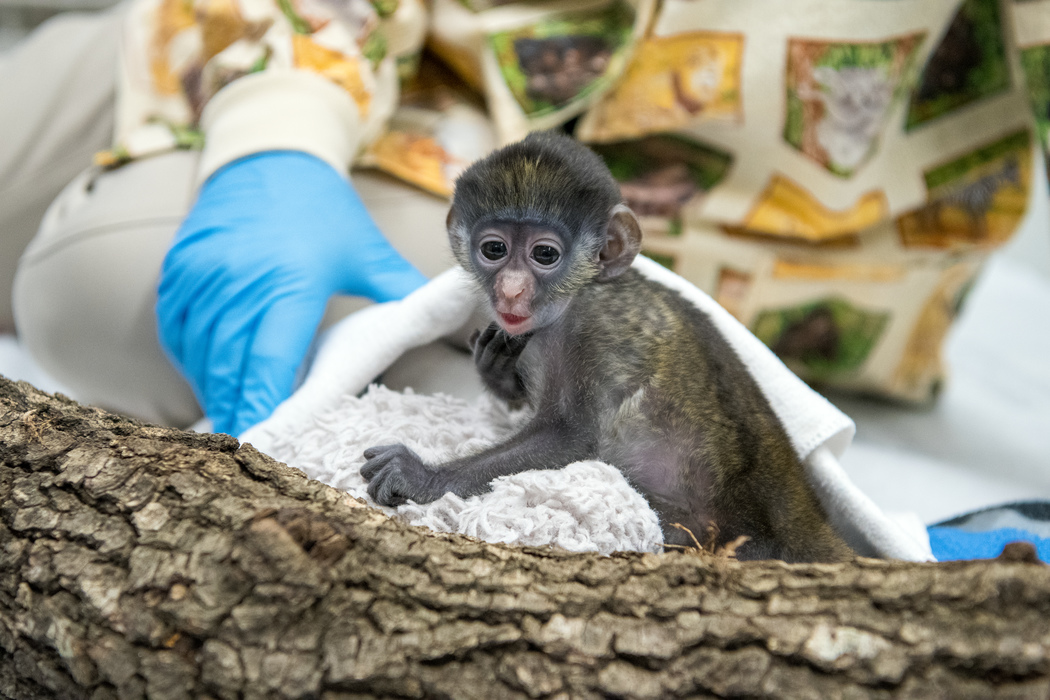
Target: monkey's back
[{"x": 684, "y": 419}]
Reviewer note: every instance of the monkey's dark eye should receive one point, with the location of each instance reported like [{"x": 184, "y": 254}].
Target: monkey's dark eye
[
  {"x": 545, "y": 254},
  {"x": 494, "y": 250}
]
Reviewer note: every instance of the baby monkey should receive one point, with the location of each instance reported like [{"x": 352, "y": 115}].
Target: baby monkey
[{"x": 618, "y": 368}]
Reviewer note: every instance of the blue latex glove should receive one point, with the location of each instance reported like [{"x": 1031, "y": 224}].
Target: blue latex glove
[
  {"x": 270, "y": 239},
  {"x": 951, "y": 544}
]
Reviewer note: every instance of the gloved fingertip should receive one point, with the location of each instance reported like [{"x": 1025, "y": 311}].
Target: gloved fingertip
[
  {"x": 390, "y": 285},
  {"x": 250, "y": 411},
  {"x": 221, "y": 424},
  {"x": 245, "y": 420}
]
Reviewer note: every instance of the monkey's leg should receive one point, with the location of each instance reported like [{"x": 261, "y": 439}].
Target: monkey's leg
[
  {"x": 496, "y": 357},
  {"x": 396, "y": 474}
]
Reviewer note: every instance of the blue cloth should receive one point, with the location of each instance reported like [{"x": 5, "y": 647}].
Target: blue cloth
[
  {"x": 950, "y": 544},
  {"x": 983, "y": 533},
  {"x": 244, "y": 286}
]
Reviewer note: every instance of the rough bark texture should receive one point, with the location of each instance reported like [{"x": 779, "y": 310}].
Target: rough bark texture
[{"x": 138, "y": 561}]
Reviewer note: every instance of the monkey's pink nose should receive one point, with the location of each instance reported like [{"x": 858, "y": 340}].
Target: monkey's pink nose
[{"x": 513, "y": 284}]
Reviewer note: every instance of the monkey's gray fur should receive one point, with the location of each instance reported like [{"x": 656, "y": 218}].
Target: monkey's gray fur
[{"x": 617, "y": 367}]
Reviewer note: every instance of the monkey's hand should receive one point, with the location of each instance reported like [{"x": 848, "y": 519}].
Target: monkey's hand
[
  {"x": 396, "y": 474},
  {"x": 496, "y": 356}
]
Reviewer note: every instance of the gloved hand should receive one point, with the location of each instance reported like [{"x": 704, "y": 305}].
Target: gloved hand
[{"x": 270, "y": 239}]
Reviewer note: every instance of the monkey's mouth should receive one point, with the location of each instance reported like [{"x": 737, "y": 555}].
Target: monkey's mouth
[{"x": 513, "y": 324}]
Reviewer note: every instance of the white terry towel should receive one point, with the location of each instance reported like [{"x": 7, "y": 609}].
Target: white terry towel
[{"x": 327, "y": 423}]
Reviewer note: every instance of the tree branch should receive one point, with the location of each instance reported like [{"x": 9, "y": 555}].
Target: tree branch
[{"x": 144, "y": 562}]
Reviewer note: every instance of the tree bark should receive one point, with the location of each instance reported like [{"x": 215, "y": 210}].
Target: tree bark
[{"x": 145, "y": 562}]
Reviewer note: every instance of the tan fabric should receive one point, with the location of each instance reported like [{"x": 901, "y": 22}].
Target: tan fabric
[
  {"x": 850, "y": 198},
  {"x": 279, "y": 110},
  {"x": 56, "y": 111},
  {"x": 539, "y": 64},
  {"x": 177, "y": 55},
  {"x": 85, "y": 289},
  {"x": 833, "y": 172}
]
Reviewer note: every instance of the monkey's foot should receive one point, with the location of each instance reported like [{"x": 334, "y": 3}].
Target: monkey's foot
[{"x": 396, "y": 474}]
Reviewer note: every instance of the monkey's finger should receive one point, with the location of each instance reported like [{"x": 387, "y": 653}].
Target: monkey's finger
[
  {"x": 498, "y": 343},
  {"x": 375, "y": 486},
  {"x": 279, "y": 342},
  {"x": 499, "y": 353},
  {"x": 505, "y": 365},
  {"x": 510, "y": 345},
  {"x": 485, "y": 337},
  {"x": 481, "y": 353},
  {"x": 384, "y": 489},
  {"x": 514, "y": 344},
  {"x": 377, "y": 461},
  {"x": 379, "y": 449},
  {"x": 374, "y": 491},
  {"x": 518, "y": 342},
  {"x": 370, "y": 468},
  {"x": 394, "y": 491},
  {"x": 473, "y": 339}
]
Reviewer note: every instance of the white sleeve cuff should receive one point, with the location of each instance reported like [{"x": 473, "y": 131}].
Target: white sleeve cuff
[{"x": 281, "y": 110}]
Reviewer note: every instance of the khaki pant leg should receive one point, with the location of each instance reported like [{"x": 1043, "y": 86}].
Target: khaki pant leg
[
  {"x": 57, "y": 91},
  {"x": 85, "y": 290}
]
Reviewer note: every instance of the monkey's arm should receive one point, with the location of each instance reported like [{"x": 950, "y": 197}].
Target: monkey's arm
[
  {"x": 396, "y": 474},
  {"x": 496, "y": 357}
]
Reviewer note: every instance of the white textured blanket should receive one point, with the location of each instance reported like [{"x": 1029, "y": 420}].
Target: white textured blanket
[
  {"x": 585, "y": 506},
  {"x": 326, "y": 425}
]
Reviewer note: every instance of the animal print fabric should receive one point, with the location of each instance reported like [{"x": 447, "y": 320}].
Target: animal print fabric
[
  {"x": 833, "y": 172},
  {"x": 177, "y": 54}
]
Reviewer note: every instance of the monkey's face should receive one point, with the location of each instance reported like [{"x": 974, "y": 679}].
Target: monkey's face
[{"x": 522, "y": 267}]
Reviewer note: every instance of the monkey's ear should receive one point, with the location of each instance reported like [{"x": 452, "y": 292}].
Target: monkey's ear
[{"x": 623, "y": 241}]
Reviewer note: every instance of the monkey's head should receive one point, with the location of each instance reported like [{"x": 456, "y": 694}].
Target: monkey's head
[{"x": 536, "y": 221}]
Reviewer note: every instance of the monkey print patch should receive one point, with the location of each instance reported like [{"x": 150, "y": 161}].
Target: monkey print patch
[
  {"x": 344, "y": 71},
  {"x": 672, "y": 82},
  {"x": 664, "y": 259},
  {"x": 734, "y": 287},
  {"x": 193, "y": 49},
  {"x": 659, "y": 175},
  {"x": 968, "y": 65},
  {"x": 839, "y": 96},
  {"x": 563, "y": 58},
  {"x": 786, "y": 209},
  {"x": 481, "y": 5},
  {"x": 823, "y": 338},
  {"x": 1035, "y": 61},
  {"x": 920, "y": 371},
  {"x": 785, "y": 269},
  {"x": 975, "y": 200},
  {"x": 436, "y": 132}
]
